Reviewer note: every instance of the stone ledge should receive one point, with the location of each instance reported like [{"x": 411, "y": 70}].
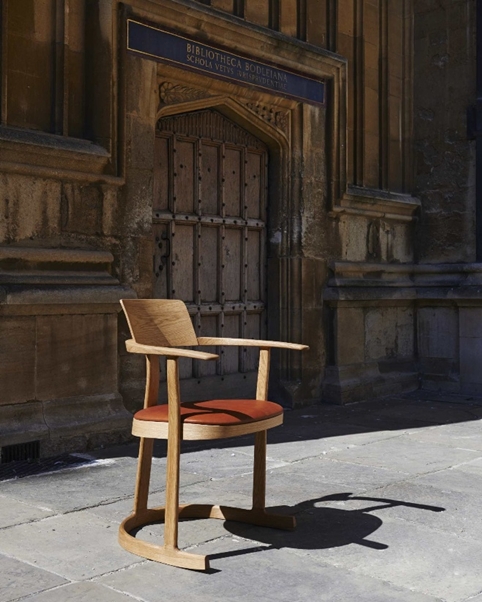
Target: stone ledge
[
  {"x": 30, "y": 152},
  {"x": 374, "y": 203},
  {"x": 57, "y": 276},
  {"x": 12, "y": 296},
  {"x": 39, "y": 255},
  {"x": 363, "y": 281},
  {"x": 60, "y": 420}
]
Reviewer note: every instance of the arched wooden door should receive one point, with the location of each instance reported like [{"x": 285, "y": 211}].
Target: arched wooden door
[{"x": 210, "y": 205}]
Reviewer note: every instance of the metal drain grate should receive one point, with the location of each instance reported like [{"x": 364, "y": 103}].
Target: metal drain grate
[
  {"x": 28, "y": 468},
  {"x": 20, "y": 451}
]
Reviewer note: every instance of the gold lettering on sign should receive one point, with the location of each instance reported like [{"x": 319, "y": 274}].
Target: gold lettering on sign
[
  {"x": 211, "y": 59},
  {"x": 232, "y": 66},
  {"x": 264, "y": 76}
]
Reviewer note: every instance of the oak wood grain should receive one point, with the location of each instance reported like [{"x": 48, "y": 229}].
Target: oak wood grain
[
  {"x": 249, "y": 343},
  {"x": 134, "y": 347}
]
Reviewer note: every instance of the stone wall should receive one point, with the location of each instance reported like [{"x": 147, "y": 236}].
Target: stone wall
[
  {"x": 444, "y": 89},
  {"x": 369, "y": 260}
]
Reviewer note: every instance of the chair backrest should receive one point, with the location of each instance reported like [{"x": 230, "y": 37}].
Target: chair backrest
[{"x": 161, "y": 322}]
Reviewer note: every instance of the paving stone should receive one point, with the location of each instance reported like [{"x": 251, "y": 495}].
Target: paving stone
[
  {"x": 66, "y": 490},
  {"x": 462, "y": 435},
  {"x": 244, "y": 572},
  {"x": 474, "y": 467},
  {"x": 289, "y": 488},
  {"x": 457, "y": 479},
  {"x": 18, "y": 579},
  {"x": 202, "y": 493},
  {"x": 317, "y": 477},
  {"x": 415, "y": 557},
  {"x": 220, "y": 463},
  {"x": 16, "y": 512},
  {"x": 116, "y": 512},
  {"x": 76, "y": 546},
  {"x": 81, "y": 592},
  {"x": 236, "y": 491},
  {"x": 328, "y": 440},
  {"x": 416, "y": 502},
  {"x": 191, "y": 532},
  {"x": 86, "y": 486},
  {"x": 405, "y": 454}
]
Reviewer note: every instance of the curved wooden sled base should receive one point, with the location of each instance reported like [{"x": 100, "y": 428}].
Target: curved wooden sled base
[{"x": 176, "y": 557}]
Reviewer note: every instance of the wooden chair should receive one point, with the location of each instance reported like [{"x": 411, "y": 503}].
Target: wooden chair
[{"x": 163, "y": 327}]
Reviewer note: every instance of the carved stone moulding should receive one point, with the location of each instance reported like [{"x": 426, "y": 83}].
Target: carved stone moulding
[
  {"x": 278, "y": 119},
  {"x": 171, "y": 93}
]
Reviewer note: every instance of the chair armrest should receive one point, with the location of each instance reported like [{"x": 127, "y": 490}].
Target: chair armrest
[
  {"x": 249, "y": 343},
  {"x": 134, "y": 347}
]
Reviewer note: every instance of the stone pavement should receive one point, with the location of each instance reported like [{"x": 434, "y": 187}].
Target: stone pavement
[{"x": 387, "y": 496}]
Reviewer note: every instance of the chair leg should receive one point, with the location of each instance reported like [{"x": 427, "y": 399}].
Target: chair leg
[
  {"x": 172, "y": 495},
  {"x": 258, "y": 514},
  {"x": 143, "y": 474},
  {"x": 259, "y": 472}
]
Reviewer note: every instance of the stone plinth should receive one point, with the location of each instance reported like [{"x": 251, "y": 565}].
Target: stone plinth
[
  {"x": 398, "y": 327},
  {"x": 58, "y": 350}
]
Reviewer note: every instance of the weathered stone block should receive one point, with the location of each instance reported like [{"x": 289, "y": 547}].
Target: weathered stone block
[
  {"x": 82, "y": 209},
  {"x": 399, "y": 243},
  {"x": 17, "y": 359},
  {"x": 353, "y": 234},
  {"x": 389, "y": 332},
  {"x": 471, "y": 360},
  {"x": 110, "y": 212},
  {"x": 437, "y": 366},
  {"x": 22, "y": 422},
  {"x": 404, "y": 332},
  {"x": 76, "y": 355},
  {"x": 437, "y": 332},
  {"x": 31, "y": 207},
  {"x": 470, "y": 320},
  {"x": 75, "y": 417},
  {"x": 350, "y": 335},
  {"x": 380, "y": 335},
  {"x": 141, "y": 136},
  {"x": 138, "y": 202}
]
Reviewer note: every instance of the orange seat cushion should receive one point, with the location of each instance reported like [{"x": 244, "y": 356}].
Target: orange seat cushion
[{"x": 216, "y": 411}]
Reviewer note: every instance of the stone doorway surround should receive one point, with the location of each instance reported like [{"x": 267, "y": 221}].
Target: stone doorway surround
[{"x": 303, "y": 178}]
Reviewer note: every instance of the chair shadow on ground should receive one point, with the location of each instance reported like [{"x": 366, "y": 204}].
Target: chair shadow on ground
[{"x": 322, "y": 527}]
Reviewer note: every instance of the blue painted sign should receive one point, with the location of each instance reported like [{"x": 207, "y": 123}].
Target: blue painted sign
[{"x": 164, "y": 46}]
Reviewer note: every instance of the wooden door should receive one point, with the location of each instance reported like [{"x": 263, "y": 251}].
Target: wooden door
[{"x": 210, "y": 197}]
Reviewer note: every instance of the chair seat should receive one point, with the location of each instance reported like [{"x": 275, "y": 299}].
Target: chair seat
[{"x": 215, "y": 412}]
